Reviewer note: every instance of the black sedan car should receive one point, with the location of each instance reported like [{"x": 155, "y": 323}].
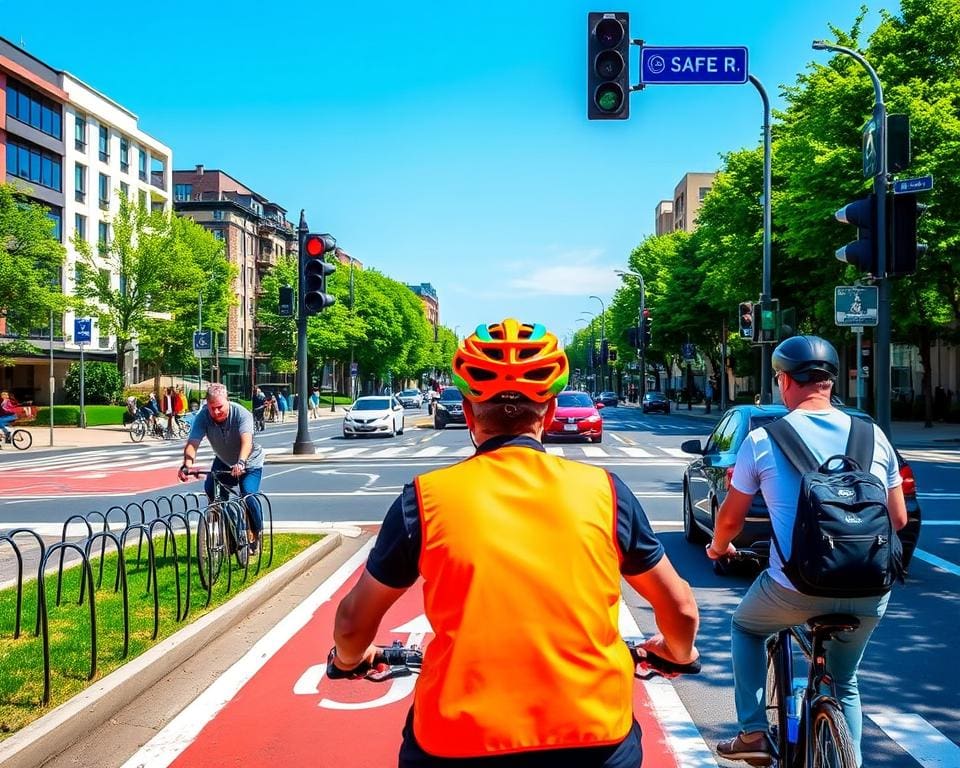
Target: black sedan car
[
  {"x": 448, "y": 409},
  {"x": 607, "y": 398},
  {"x": 707, "y": 478},
  {"x": 655, "y": 401}
]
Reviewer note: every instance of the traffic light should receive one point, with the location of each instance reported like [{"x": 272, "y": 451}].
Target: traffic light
[
  {"x": 608, "y": 70},
  {"x": 745, "y": 318},
  {"x": 613, "y": 356},
  {"x": 645, "y": 329},
  {"x": 285, "y": 304},
  {"x": 862, "y": 252},
  {"x": 633, "y": 337},
  {"x": 902, "y": 246},
  {"x": 604, "y": 352},
  {"x": 313, "y": 273}
]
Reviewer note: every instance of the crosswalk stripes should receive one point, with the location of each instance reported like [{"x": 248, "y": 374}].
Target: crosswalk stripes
[{"x": 140, "y": 459}]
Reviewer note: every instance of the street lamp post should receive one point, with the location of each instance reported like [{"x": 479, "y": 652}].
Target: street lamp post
[
  {"x": 353, "y": 379},
  {"x": 603, "y": 337},
  {"x": 882, "y": 353},
  {"x": 593, "y": 341},
  {"x": 640, "y": 313}
]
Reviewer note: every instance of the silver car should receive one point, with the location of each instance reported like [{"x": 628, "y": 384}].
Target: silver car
[{"x": 375, "y": 415}]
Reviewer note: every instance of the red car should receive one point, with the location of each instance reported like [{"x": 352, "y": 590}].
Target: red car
[{"x": 576, "y": 417}]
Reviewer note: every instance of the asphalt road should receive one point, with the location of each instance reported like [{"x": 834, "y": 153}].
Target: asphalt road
[{"x": 909, "y": 687}]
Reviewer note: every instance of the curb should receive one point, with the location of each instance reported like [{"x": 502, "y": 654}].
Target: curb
[{"x": 67, "y": 724}]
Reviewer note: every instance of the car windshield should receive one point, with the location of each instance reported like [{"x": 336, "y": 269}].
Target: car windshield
[
  {"x": 574, "y": 400},
  {"x": 654, "y": 396},
  {"x": 376, "y": 404},
  {"x": 608, "y": 394},
  {"x": 452, "y": 394},
  {"x": 410, "y": 393}
]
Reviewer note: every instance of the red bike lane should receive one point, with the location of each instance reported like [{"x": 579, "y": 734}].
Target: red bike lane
[{"x": 288, "y": 713}]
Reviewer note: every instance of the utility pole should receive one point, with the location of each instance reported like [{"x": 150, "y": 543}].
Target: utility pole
[
  {"x": 766, "y": 291},
  {"x": 603, "y": 339},
  {"x": 303, "y": 444}
]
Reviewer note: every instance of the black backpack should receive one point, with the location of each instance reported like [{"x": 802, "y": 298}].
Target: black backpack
[{"x": 844, "y": 544}]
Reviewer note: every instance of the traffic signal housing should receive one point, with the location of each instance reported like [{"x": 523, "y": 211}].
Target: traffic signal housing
[
  {"x": 862, "y": 252},
  {"x": 285, "y": 301},
  {"x": 314, "y": 269},
  {"x": 745, "y": 319},
  {"x": 903, "y": 250},
  {"x": 645, "y": 330},
  {"x": 608, "y": 65}
]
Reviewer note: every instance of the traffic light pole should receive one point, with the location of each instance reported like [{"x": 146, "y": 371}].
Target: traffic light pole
[
  {"x": 881, "y": 359},
  {"x": 303, "y": 444},
  {"x": 766, "y": 293}
]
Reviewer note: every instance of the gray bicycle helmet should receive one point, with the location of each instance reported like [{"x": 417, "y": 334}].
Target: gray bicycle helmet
[{"x": 799, "y": 356}]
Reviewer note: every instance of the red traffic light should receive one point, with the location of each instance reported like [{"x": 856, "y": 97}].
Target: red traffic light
[
  {"x": 316, "y": 246},
  {"x": 646, "y": 313}
]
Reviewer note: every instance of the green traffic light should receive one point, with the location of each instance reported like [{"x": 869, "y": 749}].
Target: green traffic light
[{"x": 609, "y": 97}]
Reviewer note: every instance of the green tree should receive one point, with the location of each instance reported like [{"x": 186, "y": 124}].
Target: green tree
[
  {"x": 278, "y": 334},
  {"x": 30, "y": 263},
  {"x": 102, "y": 383}
]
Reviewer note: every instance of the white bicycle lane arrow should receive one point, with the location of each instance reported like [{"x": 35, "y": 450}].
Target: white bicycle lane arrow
[{"x": 400, "y": 687}]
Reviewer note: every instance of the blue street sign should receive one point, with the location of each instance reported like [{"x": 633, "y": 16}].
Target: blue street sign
[
  {"x": 82, "y": 330},
  {"x": 661, "y": 65},
  {"x": 202, "y": 343},
  {"x": 911, "y": 186},
  {"x": 688, "y": 351}
]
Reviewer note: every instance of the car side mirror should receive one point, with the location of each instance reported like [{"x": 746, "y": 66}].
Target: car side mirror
[
  {"x": 600, "y": 406},
  {"x": 691, "y": 446}
]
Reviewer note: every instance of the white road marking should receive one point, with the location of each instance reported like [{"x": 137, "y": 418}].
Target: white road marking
[
  {"x": 596, "y": 451},
  {"x": 637, "y": 453},
  {"x": 387, "y": 452},
  {"x": 553, "y": 450},
  {"x": 468, "y": 451},
  {"x": 163, "y": 748},
  {"x": 937, "y": 562},
  {"x": 349, "y": 452},
  {"x": 917, "y": 738},
  {"x": 433, "y": 450},
  {"x": 676, "y": 453}
]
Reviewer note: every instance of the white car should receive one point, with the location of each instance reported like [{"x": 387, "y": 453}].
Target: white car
[{"x": 375, "y": 415}]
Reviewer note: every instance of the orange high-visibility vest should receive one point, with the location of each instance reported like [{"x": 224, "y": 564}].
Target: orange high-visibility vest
[{"x": 521, "y": 572}]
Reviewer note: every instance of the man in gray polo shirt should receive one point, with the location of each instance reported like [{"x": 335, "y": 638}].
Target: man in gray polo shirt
[{"x": 229, "y": 428}]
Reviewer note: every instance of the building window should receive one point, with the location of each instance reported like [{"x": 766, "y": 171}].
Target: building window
[
  {"x": 80, "y": 226},
  {"x": 34, "y": 164},
  {"x": 218, "y": 234},
  {"x": 104, "y": 143},
  {"x": 125, "y": 190},
  {"x": 704, "y": 191},
  {"x": 123, "y": 286},
  {"x": 28, "y": 106},
  {"x": 124, "y": 154},
  {"x": 142, "y": 164},
  {"x": 104, "y": 191},
  {"x": 79, "y": 182},
  {"x": 80, "y": 133},
  {"x": 103, "y": 235},
  {"x": 218, "y": 215},
  {"x": 142, "y": 196},
  {"x": 182, "y": 192},
  {"x": 56, "y": 216}
]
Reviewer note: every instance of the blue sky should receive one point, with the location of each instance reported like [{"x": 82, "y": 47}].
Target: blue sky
[{"x": 439, "y": 142}]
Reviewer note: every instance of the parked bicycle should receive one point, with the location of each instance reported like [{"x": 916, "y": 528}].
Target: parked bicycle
[
  {"x": 141, "y": 426},
  {"x": 224, "y": 529}
]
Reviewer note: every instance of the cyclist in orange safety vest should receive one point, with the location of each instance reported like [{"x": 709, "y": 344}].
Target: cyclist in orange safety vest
[{"x": 521, "y": 554}]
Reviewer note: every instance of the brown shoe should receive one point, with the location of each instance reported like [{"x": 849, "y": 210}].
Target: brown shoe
[{"x": 755, "y": 748}]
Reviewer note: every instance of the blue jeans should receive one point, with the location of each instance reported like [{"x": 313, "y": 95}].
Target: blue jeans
[
  {"x": 4, "y": 420},
  {"x": 769, "y": 607},
  {"x": 249, "y": 483}
]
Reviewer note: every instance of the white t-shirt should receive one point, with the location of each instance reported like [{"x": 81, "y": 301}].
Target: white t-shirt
[{"x": 761, "y": 466}]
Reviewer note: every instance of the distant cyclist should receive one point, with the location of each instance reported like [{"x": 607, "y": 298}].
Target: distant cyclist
[
  {"x": 521, "y": 554},
  {"x": 239, "y": 460},
  {"x": 806, "y": 368},
  {"x": 8, "y": 414}
]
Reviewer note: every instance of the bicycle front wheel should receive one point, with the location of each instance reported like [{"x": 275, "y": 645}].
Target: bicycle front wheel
[
  {"x": 241, "y": 544},
  {"x": 22, "y": 439},
  {"x": 777, "y": 692},
  {"x": 138, "y": 430},
  {"x": 832, "y": 742},
  {"x": 210, "y": 546}
]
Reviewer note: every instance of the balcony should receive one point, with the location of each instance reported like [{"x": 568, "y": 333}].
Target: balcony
[
  {"x": 156, "y": 179},
  {"x": 80, "y": 196},
  {"x": 266, "y": 257},
  {"x": 104, "y": 204}
]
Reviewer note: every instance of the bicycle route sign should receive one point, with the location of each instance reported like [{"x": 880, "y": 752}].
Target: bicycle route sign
[
  {"x": 856, "y": 305},
  {"x": 202, "y": 343},
  {"x": 82, "y": 330}
]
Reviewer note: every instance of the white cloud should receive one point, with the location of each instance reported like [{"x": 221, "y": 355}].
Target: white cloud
[{"x": 565, "y": 273}]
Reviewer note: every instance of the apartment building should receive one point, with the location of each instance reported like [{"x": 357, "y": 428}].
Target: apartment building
[
  {"x": 687, "y": 198},
  {"x": 431, "y": 303},
  {"x": 74, "y": 150},
  {"x": 663, "y": 217},
  {"x": 255, "y": 233}
]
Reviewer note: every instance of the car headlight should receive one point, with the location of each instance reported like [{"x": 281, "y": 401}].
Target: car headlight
[{"x": 441, "y": 407}]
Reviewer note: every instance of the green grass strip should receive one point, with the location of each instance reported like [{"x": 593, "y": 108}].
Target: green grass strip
[{"x": 21, "y": 660}]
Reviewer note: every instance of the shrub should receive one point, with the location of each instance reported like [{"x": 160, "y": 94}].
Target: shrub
[{"x": 102, "y": 383}]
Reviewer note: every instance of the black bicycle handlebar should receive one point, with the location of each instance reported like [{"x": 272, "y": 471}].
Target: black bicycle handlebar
[{"x": 398, "y": 660}]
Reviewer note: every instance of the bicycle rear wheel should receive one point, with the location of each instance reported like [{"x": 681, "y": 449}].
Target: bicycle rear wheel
[
  {"x": 210, "y": 546},
  {"x": 138, "y": 430},
  {"x": 241, "y": 545},
  {"x": 832, "y": 742},
  {"x": 21, "y": 439},
  {"x": 777, "y": 691}
]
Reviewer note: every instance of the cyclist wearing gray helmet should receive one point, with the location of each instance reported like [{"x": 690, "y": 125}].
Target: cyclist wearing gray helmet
[{"x": 805, "y": 368}]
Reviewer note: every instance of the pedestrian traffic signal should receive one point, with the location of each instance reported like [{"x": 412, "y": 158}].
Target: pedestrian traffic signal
[
  {"x": 745, "y": 318},
  {"x": 903, "y": 249},
  {"x": 285, "y": 303},
  {"x": 645, "y": 331},
  {"x": 313, "y": 273},
  {"x": 862, "y": 252},
  {"x": 608, "y": 71}
]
